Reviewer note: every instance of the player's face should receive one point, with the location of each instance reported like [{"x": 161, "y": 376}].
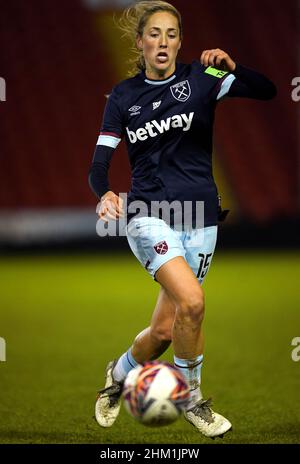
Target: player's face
[{"x": 160, "y": 44}]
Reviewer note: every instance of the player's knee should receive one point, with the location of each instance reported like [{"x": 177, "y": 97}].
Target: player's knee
[
  {"x": 161, "y": 334},
  {"x": 191, "y": 309}
]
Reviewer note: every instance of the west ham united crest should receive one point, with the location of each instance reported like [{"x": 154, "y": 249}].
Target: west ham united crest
[
  {"x": 161, "y": 248},
  {"x": 181, "y": 91}
]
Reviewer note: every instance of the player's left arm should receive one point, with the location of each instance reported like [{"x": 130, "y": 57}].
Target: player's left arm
[{"x": 240, "y": 80}]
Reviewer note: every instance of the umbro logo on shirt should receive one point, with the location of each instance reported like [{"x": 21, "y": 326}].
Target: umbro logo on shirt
[
  {"x": 135, "y": 110},
  {"x": 156, "y": 105},
  {"x": 155, "y": 128}
]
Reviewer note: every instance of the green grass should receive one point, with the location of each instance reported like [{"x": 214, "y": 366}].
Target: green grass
[{"x": 63, "y": 318}]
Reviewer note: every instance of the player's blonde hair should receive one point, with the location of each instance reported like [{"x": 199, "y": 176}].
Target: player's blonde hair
[{"x": 132, "y": 23}]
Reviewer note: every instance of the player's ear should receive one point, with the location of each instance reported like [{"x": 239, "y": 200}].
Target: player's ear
[{"x": 139, "y": 42}]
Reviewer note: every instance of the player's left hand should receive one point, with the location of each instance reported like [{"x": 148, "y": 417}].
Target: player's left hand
[{"x": 218, "y": 59}]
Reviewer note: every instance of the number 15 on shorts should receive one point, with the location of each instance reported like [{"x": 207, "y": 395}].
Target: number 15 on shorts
[{"x": 205, "y": 261}]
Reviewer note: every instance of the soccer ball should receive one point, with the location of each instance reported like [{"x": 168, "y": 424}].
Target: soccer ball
[{"x": 155, "y": 393}]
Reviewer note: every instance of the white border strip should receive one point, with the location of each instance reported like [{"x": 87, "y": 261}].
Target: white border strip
[
  {"x": 225, "y": 87},
  {"x": 166, "y": 81},
  {"x": 108, "y": 141}
]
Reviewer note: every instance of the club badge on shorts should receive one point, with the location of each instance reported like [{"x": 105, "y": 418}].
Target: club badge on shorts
[
  {"x": 161, "y": 248},
  {"x": 181, "y": 91}
]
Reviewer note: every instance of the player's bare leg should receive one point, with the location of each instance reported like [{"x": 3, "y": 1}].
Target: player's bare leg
[
  {"x": 187, "y": 294},
  {"x": 152, "y": 342},
  {"x": 188, "y": 297}
]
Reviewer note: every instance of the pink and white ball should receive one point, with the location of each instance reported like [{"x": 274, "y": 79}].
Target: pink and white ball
[{"x": 155, "y": 393}]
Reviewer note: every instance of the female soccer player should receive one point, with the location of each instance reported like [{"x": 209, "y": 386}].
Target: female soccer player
[{"x": 166, "y": 112}]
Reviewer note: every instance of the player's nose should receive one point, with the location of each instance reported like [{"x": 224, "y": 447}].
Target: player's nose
[{"x": 163, "y": 41}]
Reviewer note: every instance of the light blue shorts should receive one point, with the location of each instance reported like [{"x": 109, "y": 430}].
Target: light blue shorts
[{"x": 154, "y": 243}]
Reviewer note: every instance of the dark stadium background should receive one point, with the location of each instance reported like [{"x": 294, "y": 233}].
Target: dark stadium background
[{"x": 59, "y": 59}]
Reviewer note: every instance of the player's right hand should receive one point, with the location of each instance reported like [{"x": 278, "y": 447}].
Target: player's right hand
[{"x": 110, "y": 207}]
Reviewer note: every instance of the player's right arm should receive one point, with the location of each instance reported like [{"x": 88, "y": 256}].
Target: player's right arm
[{"x": 110, "y": 136}]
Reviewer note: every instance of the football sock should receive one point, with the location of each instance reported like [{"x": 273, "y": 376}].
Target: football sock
[
  {"x": 191, "y": 369},
  {"x": 125, "y": 363}
]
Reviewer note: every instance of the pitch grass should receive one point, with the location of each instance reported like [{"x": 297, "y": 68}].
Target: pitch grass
[{"x": 64, "y": 317}]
